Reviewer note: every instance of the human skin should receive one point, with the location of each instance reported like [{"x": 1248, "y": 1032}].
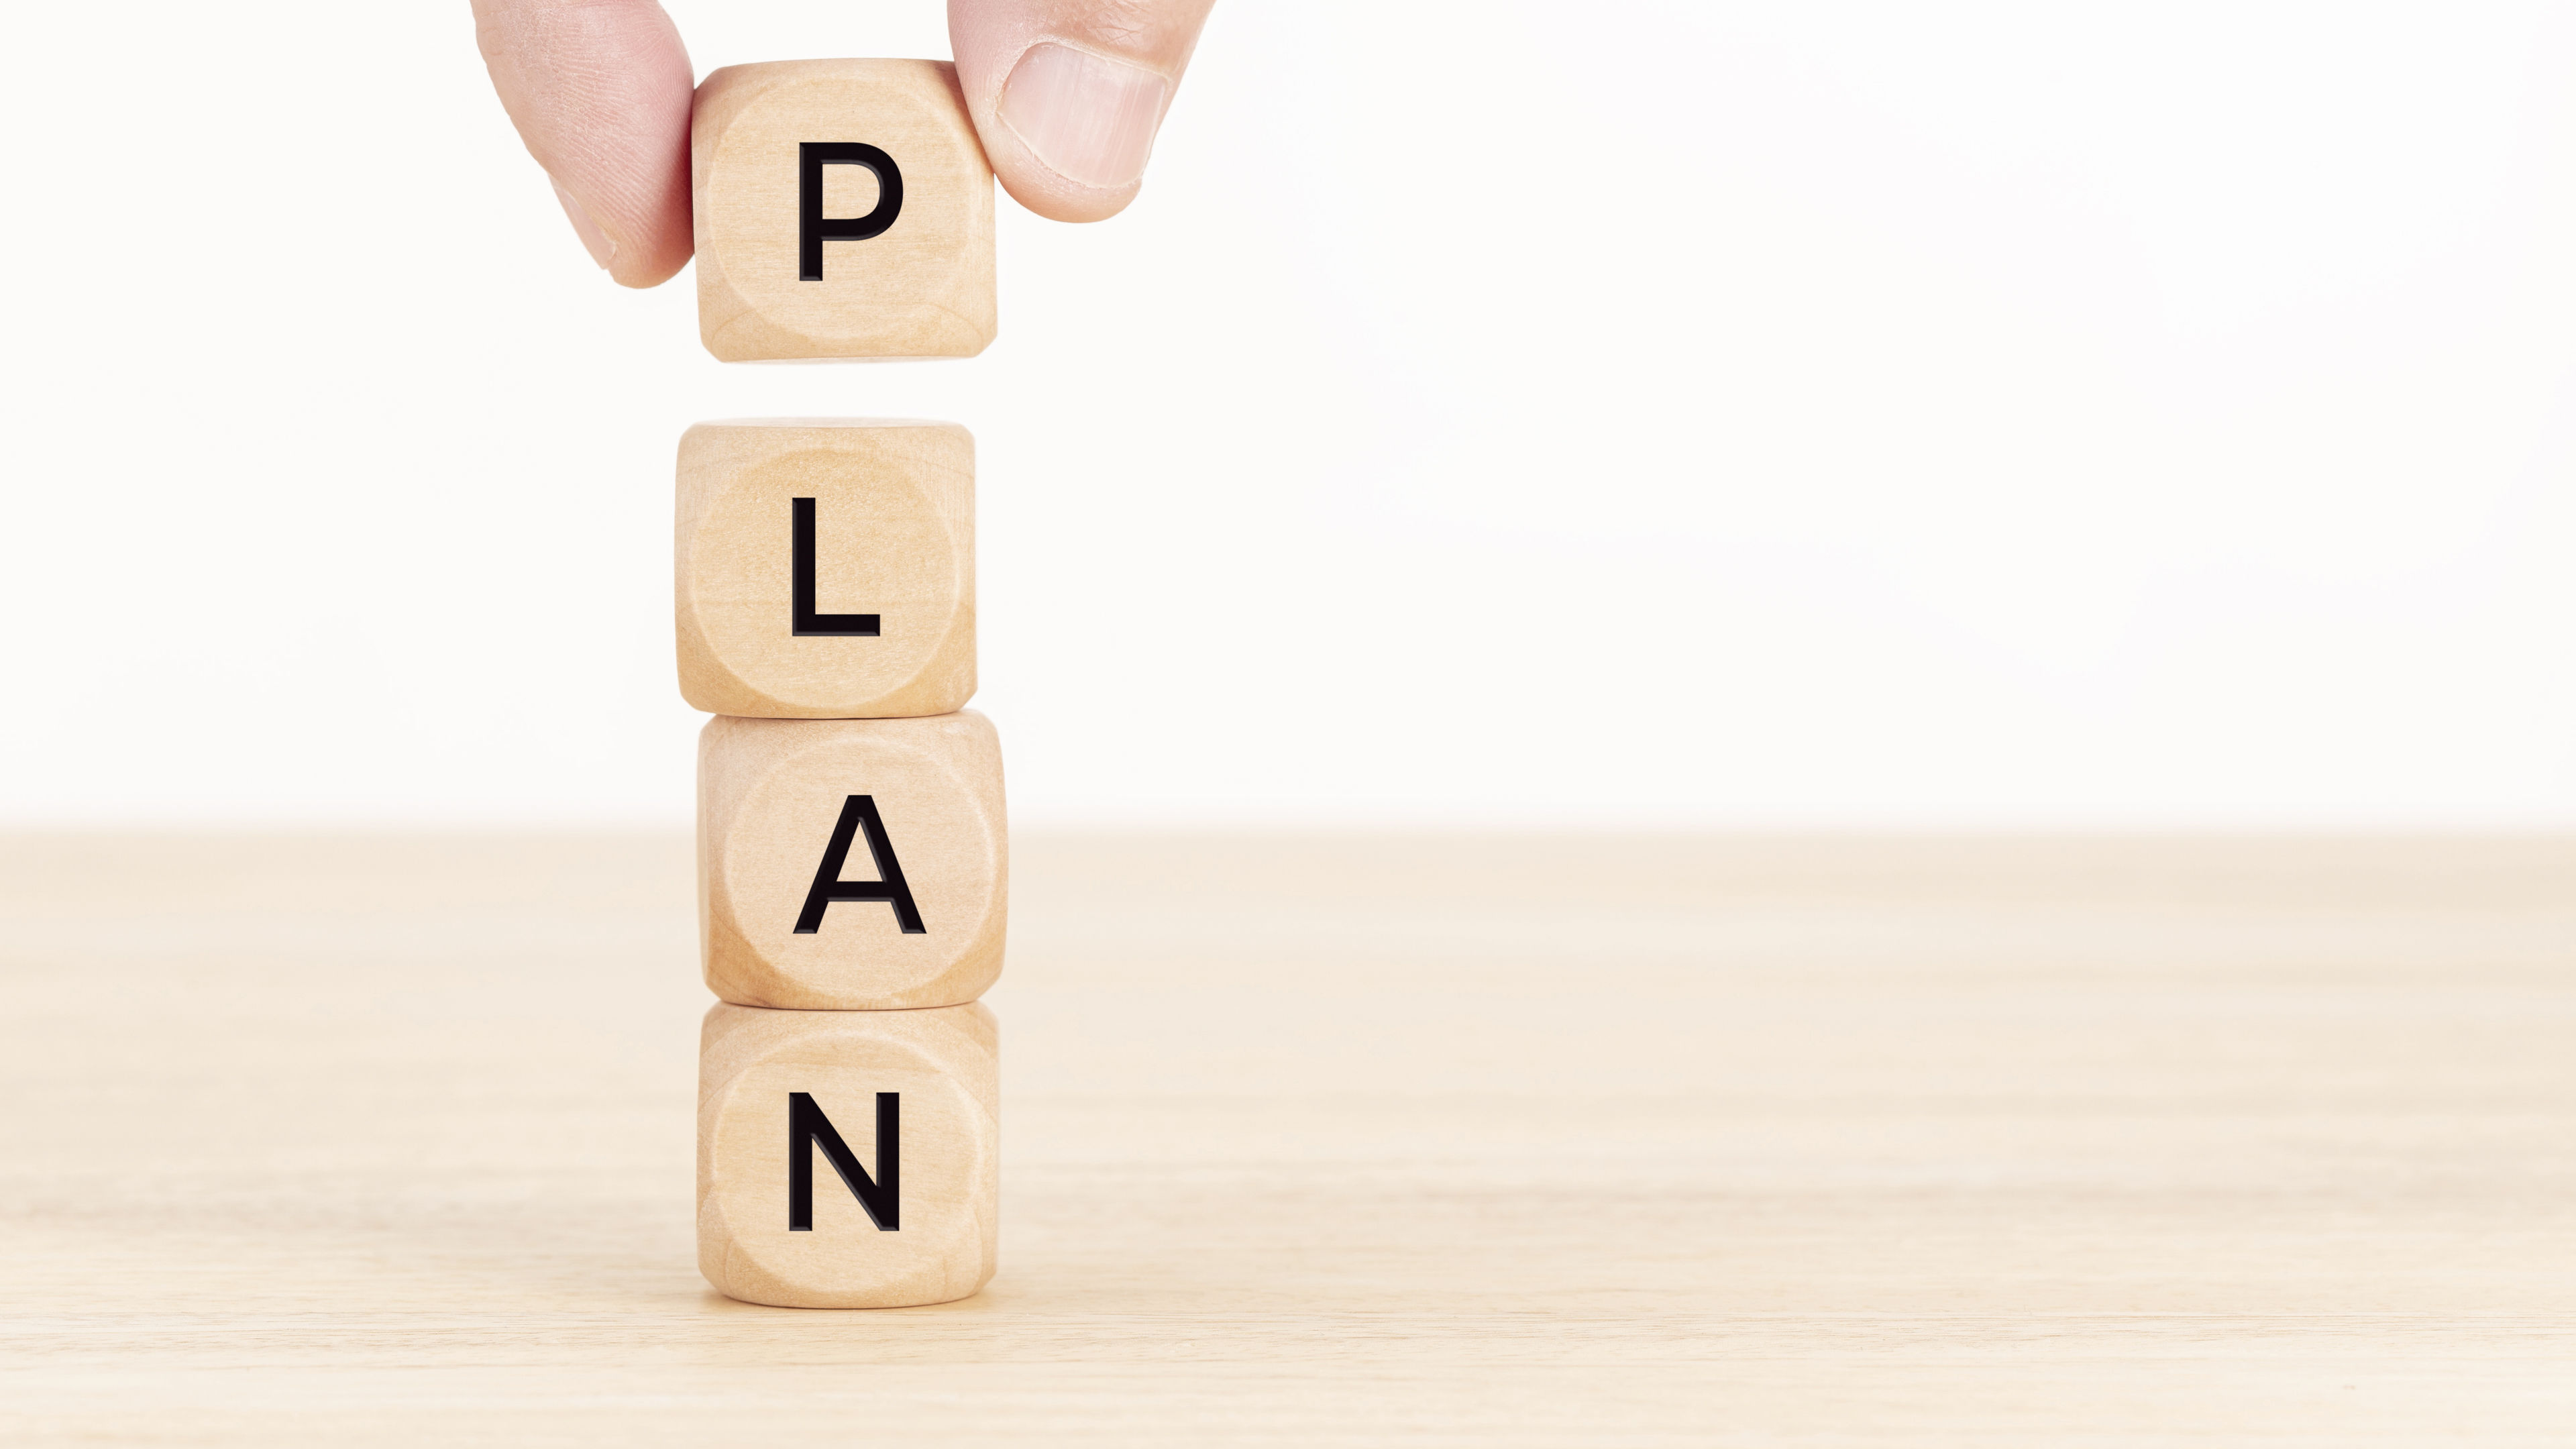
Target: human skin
[{"x": 1066, "y": 94}]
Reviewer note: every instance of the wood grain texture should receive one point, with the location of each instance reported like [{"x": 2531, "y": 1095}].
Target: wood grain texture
[
  {"x": 773, "y": 795},
  {"x": 941, "y": 1065},
  {"x": 1520, "y": 1141},
  {"x": 893, "y": 508},
  {"x": 922, "y": 288}
]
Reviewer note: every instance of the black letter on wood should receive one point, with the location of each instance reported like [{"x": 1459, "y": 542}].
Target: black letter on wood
[
  {"x": 859, "y": 812},
  {"x": 813, "y": 228},
  {"x": 807, "y": 1128},
  {"x": 803, "y": 622}
]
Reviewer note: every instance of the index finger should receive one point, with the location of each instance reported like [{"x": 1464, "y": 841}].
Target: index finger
[{"x": 600, "y": 92}]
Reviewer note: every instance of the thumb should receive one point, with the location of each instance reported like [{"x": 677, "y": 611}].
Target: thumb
[
  {"x": 599, "y": 90},
  {"x": 1068, "y": 94}
]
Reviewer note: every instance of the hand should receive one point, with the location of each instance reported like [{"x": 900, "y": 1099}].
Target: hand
[{"x": 1067, "y": 95}]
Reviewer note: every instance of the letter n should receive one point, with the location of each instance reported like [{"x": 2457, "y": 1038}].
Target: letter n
[
  {"x": 808, "y": 1128},
  {"x": 859, "y": 812}
]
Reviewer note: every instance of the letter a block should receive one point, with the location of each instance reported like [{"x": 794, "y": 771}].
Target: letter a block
[
  {"x": 851, "y": 865},
  {"x": 848, "y": 1159},
  {"x": 844, "y": 209},
  {"x": 826, "y": 568}
]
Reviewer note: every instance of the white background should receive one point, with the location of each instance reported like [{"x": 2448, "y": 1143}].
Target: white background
[{"x": 1686, "y": 413}]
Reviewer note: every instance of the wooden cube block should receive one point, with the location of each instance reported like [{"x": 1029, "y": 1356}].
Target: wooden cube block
[
  {"x": 826, "y": 568},
  {"x": 844, "y": 209},
  {"x": 851, "y": 864},
  {"x": 848, "y": 1159}
]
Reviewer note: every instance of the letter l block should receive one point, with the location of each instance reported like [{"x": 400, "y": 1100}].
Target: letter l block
[{"x": 826, "y": 568}]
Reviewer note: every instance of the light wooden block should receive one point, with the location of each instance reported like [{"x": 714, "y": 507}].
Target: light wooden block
[
  {"x": 826, "y": 568},
  {"x": 851, "y": 864},
  {"x": 844, "y": 210},
  {"x": 849, "y": 1159}
]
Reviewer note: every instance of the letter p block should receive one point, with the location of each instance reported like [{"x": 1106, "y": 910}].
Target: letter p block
[{"x": 844, "y": 209}]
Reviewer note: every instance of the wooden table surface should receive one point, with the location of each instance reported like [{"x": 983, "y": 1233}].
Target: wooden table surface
[{"x": 1332, "y": 1141}]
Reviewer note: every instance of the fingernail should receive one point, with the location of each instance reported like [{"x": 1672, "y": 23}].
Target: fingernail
[
  {"x": 1089, "y": 118},
  {"x": 602, "y": 250}
]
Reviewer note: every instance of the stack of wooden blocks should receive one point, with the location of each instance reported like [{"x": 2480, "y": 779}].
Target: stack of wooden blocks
[{"x": 853, "y": 867}]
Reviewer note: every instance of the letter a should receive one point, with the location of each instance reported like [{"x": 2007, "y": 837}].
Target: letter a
[
  {"x": 859, "y": 812},
  {"x": 808, "y": 1128}
]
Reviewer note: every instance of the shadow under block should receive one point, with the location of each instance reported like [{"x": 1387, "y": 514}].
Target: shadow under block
[
  {"x": 851, "y": 865},
  {"x": 844, "y": 209},
  {"x": 848, "y": 1159},
  {"x": 826, "y": 568}
]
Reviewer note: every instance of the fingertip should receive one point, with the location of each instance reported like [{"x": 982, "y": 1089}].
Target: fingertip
[
  {"x": 1045, "y": 193},
  {"x": 1069, "y": 95},
  {"x": 661, "y": 250},
  {"x": 600, "y": 93}
]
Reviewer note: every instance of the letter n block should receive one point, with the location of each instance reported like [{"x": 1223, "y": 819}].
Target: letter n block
[
  {"x": 848, "y": 1159},
  {"x": 826, "y": 568},
  {"x": 851, "y": 865},
  {"x": 844, "y": 209}
]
